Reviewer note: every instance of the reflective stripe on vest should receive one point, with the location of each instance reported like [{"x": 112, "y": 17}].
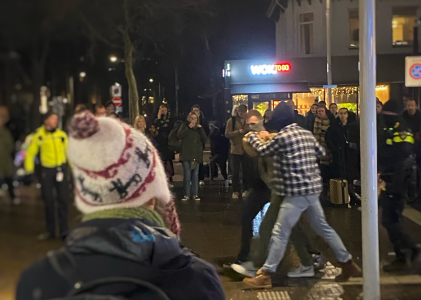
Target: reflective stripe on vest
[{"x": 401, "y": 137}]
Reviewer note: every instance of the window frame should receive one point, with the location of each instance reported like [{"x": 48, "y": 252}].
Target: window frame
[
  {"x": 299, "y": 30},
  {"x": 413, "y": 9},
  {"x": 350, "y": 10}
]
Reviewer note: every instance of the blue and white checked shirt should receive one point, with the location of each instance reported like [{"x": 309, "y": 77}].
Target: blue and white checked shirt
[{"x": 295, "y": 151}]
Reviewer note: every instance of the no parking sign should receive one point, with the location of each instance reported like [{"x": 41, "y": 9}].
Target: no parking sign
[{"x": 413, "y": 71}]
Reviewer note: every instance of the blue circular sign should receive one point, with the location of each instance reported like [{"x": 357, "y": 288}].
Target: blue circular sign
[{"x": 415, "y": 71}]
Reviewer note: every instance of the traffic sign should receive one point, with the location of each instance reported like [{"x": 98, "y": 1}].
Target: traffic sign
[
  {"x": 413, "y": 71},
  {"x": 116, "y": 90},
  {"x": 117, "y": 101},
  {"x": 331, "y": 86}
]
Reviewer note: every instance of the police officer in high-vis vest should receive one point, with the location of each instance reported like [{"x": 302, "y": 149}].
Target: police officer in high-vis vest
[
  {"x": 395, "y": 157},
  {"x": 50, "y": 143}
]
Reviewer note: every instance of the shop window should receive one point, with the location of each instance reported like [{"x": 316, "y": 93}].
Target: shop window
[
  {"x": 403, "y": 22},
  {"x": 306, "y": 33},
  {"x": 383, "y": 92},
  {"x": 304, "y": 101},
  {"x": 354, "y": 30},
  {"x": 240, "y": 99},
  {"x": 261, "y": 106}
]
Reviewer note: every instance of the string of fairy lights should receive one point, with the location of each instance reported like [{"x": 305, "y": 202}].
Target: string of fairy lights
[{"x": 343, "y": 93}]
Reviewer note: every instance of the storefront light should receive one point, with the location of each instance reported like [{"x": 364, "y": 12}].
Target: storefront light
[{"x": 270, "y": 69}]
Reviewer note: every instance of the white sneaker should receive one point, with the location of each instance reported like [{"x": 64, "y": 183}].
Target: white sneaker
[
  {"x": 201, "y": 183},
  {"x": 302, "y": 272},
  {"x": 185, "y": 198},
  {"x": 245, "y": 194},
  {"x": 246, "y": 268}
]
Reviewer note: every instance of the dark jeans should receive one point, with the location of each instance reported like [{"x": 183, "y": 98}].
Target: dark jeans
[
  {"x": 258, "y": 197},
  {"x": 393, "y": 206},
  {"x": 10, "y": 188},
  {"x": 201, "y": 172},
  {"x": 241, "y": 162},
  {"x": 48, "y": 185},
  {"x": 221, "y": 162},
  {"x": 190, "y": 178},
  {"x": 298, "y": 238}
]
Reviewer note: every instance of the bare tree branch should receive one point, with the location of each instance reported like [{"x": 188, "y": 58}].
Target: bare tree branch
[{"x": 97, "y": 34}]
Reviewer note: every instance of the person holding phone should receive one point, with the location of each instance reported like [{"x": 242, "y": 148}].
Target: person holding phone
[{"x": 192, "y": 137}]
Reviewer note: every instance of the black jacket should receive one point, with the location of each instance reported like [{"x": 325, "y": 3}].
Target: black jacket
[
  {"x": 344, "y": 143},
  {"x": 204, "y": 123},
  {"x": 164, "y": 126},
  {"x": 391, "y": 155},
  {"x": 220, "y": 145},
  {"x": 413, "y": 122},
  {"x": 125, "y": 248},
  {"x": 300, "y": 120}
]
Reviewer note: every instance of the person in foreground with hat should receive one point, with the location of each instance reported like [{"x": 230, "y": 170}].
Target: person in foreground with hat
[
  {"x": 130, "y": 226},
  {"x": 50, "y": 142},
  {"x": 297, "y": 178}
]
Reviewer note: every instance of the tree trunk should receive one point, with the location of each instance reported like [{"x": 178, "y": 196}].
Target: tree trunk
[{"x": 131, "y": 79}]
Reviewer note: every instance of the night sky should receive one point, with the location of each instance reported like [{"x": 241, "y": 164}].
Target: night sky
[{"x": 240, "y": 30}]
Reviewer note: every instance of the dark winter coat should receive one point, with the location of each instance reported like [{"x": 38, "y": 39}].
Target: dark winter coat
[
  {"x": 300, "y": 120},
  {"x": 344, "y": 143},
  {"x": 134, "y": 248},
  {"x": 164, "y": 126},
  {"x": 204, "y": 123},
  {"x": 388, "y": 155},
  {"x": 220, "y": 145},
  {"x": 192, "y": 141},
  {"x": 413, "y": 122}
]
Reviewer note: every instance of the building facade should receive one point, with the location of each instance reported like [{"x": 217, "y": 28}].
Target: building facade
[
  {"x": 301, "y": 43},
  {"x": 301, "y": 35}
]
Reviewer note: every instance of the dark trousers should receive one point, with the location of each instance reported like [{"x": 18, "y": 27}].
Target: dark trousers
[
  {"x": 221, "y": 162},
  {"x": 393, "y": 206},
  {"x": 241, "y": 162},
  {"x": 10, "y": 189},
  {"x": 49, "y": 185},
  {"x": 258, "y": 197},
  {"x": 201, "y": 172},
  {"x": 298, "y": 237}
]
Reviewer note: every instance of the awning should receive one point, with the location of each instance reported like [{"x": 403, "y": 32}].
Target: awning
[{"x": 262, "y": 88}]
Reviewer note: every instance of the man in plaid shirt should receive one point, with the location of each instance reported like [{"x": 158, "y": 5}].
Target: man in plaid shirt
[{"x": 297, "y": 178}]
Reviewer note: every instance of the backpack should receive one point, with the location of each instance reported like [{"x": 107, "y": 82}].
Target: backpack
[
  {"x": 173, "y": 141},
  {"x": 64, "y": 264}
]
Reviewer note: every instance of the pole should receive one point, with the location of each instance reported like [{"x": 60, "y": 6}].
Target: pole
[
  {"x": 370, "y": 232},
  {"x": 329, "y": 51},
  {"x": 177, "y": 86}
]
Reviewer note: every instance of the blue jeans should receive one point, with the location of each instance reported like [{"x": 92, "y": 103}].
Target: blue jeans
[
  {"x": 190, "y": 178},
  {"x": 289, "y": 214}
]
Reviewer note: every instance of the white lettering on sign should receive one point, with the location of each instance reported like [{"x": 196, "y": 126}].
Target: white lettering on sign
[{"x": 270, "y": 69}]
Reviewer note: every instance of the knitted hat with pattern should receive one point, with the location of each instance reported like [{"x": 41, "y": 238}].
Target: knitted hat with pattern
[{"x": 114, "y": 166}]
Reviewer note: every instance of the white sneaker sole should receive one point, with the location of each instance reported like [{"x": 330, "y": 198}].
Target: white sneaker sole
[
  {"x": 241, "y": 270},
  {"x": 301, "y": 275}
]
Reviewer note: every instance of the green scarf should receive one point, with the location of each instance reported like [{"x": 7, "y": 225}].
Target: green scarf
[{"x": 140, "y": 212}]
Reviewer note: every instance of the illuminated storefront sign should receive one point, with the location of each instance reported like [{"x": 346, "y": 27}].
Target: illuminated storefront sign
[{"x": 270, "y": 69}]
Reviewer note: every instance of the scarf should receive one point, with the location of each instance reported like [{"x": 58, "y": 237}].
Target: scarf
[
  {"x": 168, "y": 210},
  {"x": 140, "y": 212},
  {"x": 320, "y": 128}
]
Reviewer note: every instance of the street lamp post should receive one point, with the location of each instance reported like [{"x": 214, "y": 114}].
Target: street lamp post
[
  {"x": 370, "y": 230},
  {"x": 329, "y": 51}
]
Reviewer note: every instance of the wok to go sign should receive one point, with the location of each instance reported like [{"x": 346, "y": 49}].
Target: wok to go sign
[{"x": 270, "y": 69}]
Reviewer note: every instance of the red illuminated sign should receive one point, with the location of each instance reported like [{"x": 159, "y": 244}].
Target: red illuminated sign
[{"x": 270, "y": 69}]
